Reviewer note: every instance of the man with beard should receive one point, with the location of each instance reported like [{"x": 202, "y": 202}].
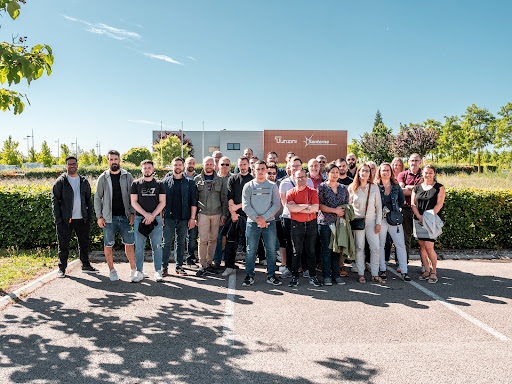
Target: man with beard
[
  {"x": 190, "y": 172},
  {"x": 343, "y": 167},
  {"x": 249, "y": 154},
  {"x": 322, "y": 161},
  {"x": 216, "y": 159},
  {"x": 179, "y": 214},
  {"x": 224, "y": 172},
  {"x": 115, "y": 212},
  {"x": 72, "y": 211},
  {"x": 272, "y": 158},
  {"x": 352, "y": 169},
  {"x": 148, "y": 198}
]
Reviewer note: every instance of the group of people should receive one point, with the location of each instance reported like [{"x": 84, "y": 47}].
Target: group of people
[{"x": 314, "y": 220}]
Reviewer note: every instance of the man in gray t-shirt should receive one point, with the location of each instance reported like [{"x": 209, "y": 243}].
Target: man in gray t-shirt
[{"x": 72, "y": 211}]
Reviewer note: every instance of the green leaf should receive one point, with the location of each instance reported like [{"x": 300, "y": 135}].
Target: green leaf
[{"x": 14, "y": 9}]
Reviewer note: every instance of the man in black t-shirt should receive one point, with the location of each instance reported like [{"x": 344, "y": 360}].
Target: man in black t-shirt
[
  {"x": 148, "y": 198},
  {"x": 352, "y": 165},
  {"x": 114, "y": 211},
  {"x": 342, "y": 165}
]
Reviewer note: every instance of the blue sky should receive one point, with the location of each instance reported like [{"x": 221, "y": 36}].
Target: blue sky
[{"x": 121, "y": 67}]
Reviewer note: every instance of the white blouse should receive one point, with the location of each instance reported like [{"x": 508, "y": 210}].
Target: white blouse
[{"x": 358, "y": 201}]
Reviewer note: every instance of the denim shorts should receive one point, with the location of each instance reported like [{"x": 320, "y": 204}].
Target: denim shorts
[{"x": 119, "y": 224}]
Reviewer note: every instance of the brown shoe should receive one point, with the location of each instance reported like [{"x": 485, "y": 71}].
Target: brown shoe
[{"x": 343, "y": 273}]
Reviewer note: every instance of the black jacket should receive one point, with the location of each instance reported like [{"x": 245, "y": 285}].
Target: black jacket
[
  {"x": 62, "y": 200},
  {"x": 188, "y": 196}
]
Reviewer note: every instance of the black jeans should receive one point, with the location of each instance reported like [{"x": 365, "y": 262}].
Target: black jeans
[
  {"x": 304, "y": 237},
  {"x": 407, "y": 226},
  {"x": 82, "y": 231}
]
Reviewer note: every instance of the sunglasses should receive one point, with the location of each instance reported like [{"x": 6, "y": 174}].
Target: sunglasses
[
  {"x": 271, "y": 173},
  {"x": 226, "y": 165}
]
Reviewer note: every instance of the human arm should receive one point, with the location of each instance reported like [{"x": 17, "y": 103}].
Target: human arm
[
  {"x": 192, "y": 220},
  {"x": 224, "y": 203},
  {"x": 440, "y": 200},
  {"x": 415, "y": 208},
  {"x": 378, "y": 210},
  {"x": 56, "y": 202},
  {"x": 274, "y": 205}
]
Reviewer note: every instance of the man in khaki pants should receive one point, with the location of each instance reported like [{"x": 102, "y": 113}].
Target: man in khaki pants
[{"x": 212, "y": 208}]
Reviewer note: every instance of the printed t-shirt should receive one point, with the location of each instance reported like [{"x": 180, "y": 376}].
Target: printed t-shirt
[{"x": 148, "y": 193}]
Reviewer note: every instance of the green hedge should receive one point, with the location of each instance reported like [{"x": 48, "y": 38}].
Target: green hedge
[{"x": 473, "y": 218}]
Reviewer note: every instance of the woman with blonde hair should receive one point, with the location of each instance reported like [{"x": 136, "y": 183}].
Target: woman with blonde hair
[
  {"x": 427, "y": 199},
  {"x": 364, "y": 196}
]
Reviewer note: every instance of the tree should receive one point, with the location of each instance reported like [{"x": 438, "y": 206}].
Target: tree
[
  {"x": 478, "y": 127},
  {"x": 414, "y": 139},
  {"x": 178, "y": 134},
  {"x": 354, "y": 148},
  {"x": 10, "y": 154},
  {"x": 17, "y": 63},
  {"x": 171, "y": 148},
  {"x": 136, "y": 155},
  {"x": 376, "y": 145},
  {"x": 451, "y": 139},
  {"x": 434, "y": 124},
  {"x": 378, "y": 119},
  {"x": 504, "y": 129},
  {"x": 45, "y": 156},
  {"x": 99, "y": 159},
  {"x": 64, "y": 152},
  {"x": 32, "y": 155}
]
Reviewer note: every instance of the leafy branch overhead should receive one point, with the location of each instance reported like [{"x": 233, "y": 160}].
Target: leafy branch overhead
[{"x": 18, "y": 63}]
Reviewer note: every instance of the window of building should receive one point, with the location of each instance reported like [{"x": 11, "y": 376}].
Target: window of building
[
  {"x": 233, "y": 146},
  {"x": 213, "y": 149}
]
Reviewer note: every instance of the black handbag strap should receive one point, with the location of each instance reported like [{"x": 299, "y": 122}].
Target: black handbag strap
[{"x": 367, "y": 198}]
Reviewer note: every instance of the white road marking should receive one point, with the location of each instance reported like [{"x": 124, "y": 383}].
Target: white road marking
[
  {"x": 455, "y": 309},
  {"x": 229, "y": 312}
]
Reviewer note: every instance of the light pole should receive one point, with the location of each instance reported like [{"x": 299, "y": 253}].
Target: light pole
[{"x": 58, "y": 148}]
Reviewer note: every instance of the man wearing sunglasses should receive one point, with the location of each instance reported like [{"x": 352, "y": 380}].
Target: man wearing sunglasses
[
  {"x": 224, "y": 173},
  {"x": 352, "y": 169},
  {"x": 322, "y": 162},
  {"x": 272, "y": 158}
]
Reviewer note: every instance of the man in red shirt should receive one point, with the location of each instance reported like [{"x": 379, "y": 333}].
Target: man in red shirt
[{"x": 302, "y": 202}]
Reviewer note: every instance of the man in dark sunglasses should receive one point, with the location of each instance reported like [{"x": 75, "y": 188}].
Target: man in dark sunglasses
[{"x": 224, "y": 173}]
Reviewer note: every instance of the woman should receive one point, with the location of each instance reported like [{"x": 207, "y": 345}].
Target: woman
[
  {"x": 331, "y": 196},
  {"x": 392, "y": 198},
  {"x": 397, "y": 166},
  {"x": 427, "y": 196},
  {"x": 364, "y": 196},
  {"x": 373, "y": 170}
]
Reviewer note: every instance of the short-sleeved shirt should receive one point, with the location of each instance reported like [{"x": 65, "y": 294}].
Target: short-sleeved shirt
[
  {"x": 286, "y": 184},
  {"x": 208, "y": 179},
  {"x": 307, "y": 196},
  {"x": 77, "y": 201},
  {"x": 409, "y": 178},
  {"x": 426, "y": 200},
  {"x": 148, "y": 193},
  {"x": 327, "y": 197},
  {"x": 346, "y": 181},
  {"x": 117, "y": 196},
  {"x": 316, "y": 182}
]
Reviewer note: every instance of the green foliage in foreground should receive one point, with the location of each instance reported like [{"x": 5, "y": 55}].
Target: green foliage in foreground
[{"x": 473, "y": 218}]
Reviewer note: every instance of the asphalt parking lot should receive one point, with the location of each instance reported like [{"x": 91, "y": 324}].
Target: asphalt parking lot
[{"x": 87, "y": 329}]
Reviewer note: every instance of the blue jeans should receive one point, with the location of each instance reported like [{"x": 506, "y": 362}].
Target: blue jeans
[
  {"x": 155, "y": 237},
  {"x": 174, "y": 228},
  {"x": 330, "y": 259},
  {"x": 191, "y": 244},
  {"x": 252, "y": 236},
  {"x": 119, "y": 224},
  {"x": 219, "y": 252}
]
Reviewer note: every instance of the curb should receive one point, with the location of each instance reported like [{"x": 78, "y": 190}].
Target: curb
[{"x": 32, "y": 286}]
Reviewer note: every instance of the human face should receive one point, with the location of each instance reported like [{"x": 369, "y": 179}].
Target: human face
[
  {"x": 373, "y": 170},
  {"x": 385, "y": 172},
  {"x": 190, "y": 164},
  {"x": 272, "y": 174},
  {"x": 314, "y": 167},
  {"x": 364, "y": 173},
  {"x": 208, "y": 167},
  {"x": 321, "y": 161},
  {"x": 397, "y": 167},
  {"x": 177, "y": 167},
  {"x": 248, "y": 153},
  {"x": 72, "y": 167},
  {"x": 333, "y": 175},
  {"x": 428, "y": 175},
  {"x": 295, "y": 166},
  {"x": 147, "y": 170},
  {"x": 301, "y": 178},
  {"x": 243, "y": 166},
  {"x": 224, "y": 164},
  {"x": 113, "y": 162},
  {"x": 271, "y": 158},
  {"x": 343, "y": 166},
  {"x": 261, "y": 172},
  {"x": 351, "y": 160},
  {"x": 288, "y": 157},
  {"x": 217, "y": 157},
  {"x": 414, "y": 162}
]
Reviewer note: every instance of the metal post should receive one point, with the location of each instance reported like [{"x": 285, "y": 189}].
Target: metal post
[
  {"x": 58, "y": 148},
  {"x": 203, "y": 142},
  {"x": 182, "y": 139},
  {"x": 161, "y": 146}
]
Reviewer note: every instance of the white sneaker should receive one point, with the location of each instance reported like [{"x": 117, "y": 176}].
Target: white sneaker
[
  {"x": 137, "y": 276},
  {"x": 354, "y": 269},
  {"x": 144, "y": 274},
  {"x": 228, "y": 271},
  {"x": 113, "y": 275},
  {"x": 264, "y": 262},
  {"x": 305, "y": 274},
  {"x": 286, "y": 273},
  {"x": 158, "y": 276},
  {"x": 282, "y": 268}
]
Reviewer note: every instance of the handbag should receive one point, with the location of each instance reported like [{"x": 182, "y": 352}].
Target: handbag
[
  {"x": 358, "y": 223},
  {"x": 394, "y": 218}
]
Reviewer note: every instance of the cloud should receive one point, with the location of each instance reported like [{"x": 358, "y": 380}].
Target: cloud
[
  {"x": 150, "y": 123},
  {"x": 107, "y": 30},
  {"x": 191, "y": 58},
  {"x": 162, "y": 57}
]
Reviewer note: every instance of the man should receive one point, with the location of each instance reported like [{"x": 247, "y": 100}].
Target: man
[
  {"x": 302, "y": 202},
  {"x": 287, "y": 184},
  {"x": 260, "y": 202},
  {"x": 212, "y": 204},
  {"x": 224, "y": 173},
  {"x": 216, "y": 158},
  {"x": 272, "y": 176},
  {"x": 148, "y": 198},
  {"x": 190, "y": 172},
  {"x": 289, "y": 156},
  {"x": 314, "y": 173},
  {"x": 179, "y": 214},
  {"x": 247, "y": 153},
  {"x": 352, "y": 169},
  {"x": 115, "y": 212},
  {"x": 322, "y": 161},
  {"x": 72, "y": 211},
  {"x": 238, "y": 218},
  {"x": 408, "y": 179},
  {"x": 342, "y": 165},
  {"x": 272, "y": 158}
]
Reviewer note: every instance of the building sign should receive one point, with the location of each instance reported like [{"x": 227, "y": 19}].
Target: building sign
[
  {"x": 310, "y": 141},
  {"x": 279, "y": 140}
]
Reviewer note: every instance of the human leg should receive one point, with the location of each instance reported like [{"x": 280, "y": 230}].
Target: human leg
[
  {"x": 169, "y": 232},
  {"x": 297, "y": 232},
  {"x": 63, "y": 239},
  {"x": 270, "y": 238},
  {"x": 155, "y": 237},
  {"x": 252, "y": 236},
  {"x": 140, "y": 244}
]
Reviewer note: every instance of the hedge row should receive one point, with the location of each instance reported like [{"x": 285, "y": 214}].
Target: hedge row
[{"x": 473, "y": 218}]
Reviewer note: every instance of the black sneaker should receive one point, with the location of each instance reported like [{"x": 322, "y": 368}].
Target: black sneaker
[
  {"x": 165, "y": 272},
  {"x": 89, "y": 269},
  {"x": 192, "y": 265},
  {"x": 248, "y": 281},
  {"x": 382, "y": 275},
  {"x": 315, "y": 282},
  {"x": 201, "y": 271},
  {"x": 274, "y": 280},
  {"x": 60, "y": 273},
  {"x": 211, "y": 269},
  {"x": 294, "y": 281},
  {"x": 181, "y": 271}
]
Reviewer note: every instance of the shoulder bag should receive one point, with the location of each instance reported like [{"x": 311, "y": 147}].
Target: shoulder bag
[{"x": 358, "y": 223}]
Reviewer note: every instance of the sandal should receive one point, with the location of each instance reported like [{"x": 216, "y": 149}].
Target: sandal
[
  {"x": 378, "y": 279},
  {"x": 362, "y": 279},
  {"x": 405, "y": 277},
  {"x": 433, "y": 280},
  {"x": 424, "y": 276},
  {"x": 382, "y": 275}
]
